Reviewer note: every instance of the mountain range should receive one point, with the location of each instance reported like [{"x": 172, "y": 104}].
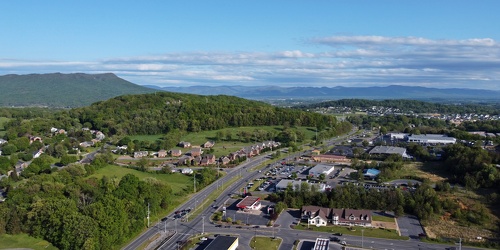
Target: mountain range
[
  {"x": 63, "y": 90},
  {"x": 333, "y": 93},
  {"x": 58, "y": 90}
]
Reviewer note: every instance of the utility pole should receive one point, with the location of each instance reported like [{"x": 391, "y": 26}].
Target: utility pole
[
  {"x": 203, "y": 225},
  {"x": 460, "y": 244},
  {"x": 362, "y": 238},
  {"x": 194, "y": 182},
  {"x": 148, "y": 214}
]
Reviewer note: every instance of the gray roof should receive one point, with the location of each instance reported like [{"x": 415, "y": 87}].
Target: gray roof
[{"x": 388, "y": 150}]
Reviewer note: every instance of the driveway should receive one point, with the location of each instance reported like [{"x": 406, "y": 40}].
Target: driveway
[{"x": 409, "y": 225}]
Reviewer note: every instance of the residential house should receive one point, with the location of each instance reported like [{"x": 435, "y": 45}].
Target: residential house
[
  {"x": 318, "y": 216},
  {"x": 176, "y": 152},
  {"x": 184, "y": 144},
  {"x": 35, "y": 138},
  {"x": 345, "y": 217},
  {"x": 99, "y": 135},
  {"x": 207, "y": 160},
  {"x": 224, "y": 160},
  {"x": 162, "y": 153},
  {"x": 208, "y": 144},
  {"x": 184, "y": 160},
  {"x": 2, "y": 141},
  {"x": 86, "y": 144},
  {"x": 196, "y": 152},
  {"x": 140, "y": 154}
]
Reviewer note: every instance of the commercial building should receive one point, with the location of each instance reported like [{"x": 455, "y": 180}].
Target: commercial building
[
  {"x": 320, "y": 216},
  {"x": 321, "y": 244},
  {"x": 319, "y": 169},
  {"x": 431, "y": 139},
  {"x": 223, "y": 243},
  {"x": 388, "y": 150},
  {"x": 371, "y": 173},
  {"x": 249, "y": 203},
  {"x": 330, "y": 158}
]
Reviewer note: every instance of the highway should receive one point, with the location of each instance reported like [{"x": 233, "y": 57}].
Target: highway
[{"x": 202, "y": 224}]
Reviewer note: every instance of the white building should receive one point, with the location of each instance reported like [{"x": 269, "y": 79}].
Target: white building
[
  {"x": 431, "y": 139},
  {"x": 321, "y": 169}
]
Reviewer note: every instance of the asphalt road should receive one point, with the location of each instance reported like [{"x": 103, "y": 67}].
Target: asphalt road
[{"x": 202, "y": 224}]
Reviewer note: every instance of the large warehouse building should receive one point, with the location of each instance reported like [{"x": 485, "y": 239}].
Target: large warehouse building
[{"x": 431, "y": 139}]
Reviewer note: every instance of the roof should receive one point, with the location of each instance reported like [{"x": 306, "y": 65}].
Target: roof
[
  {"x": 432, "y": 137},
  {"x": 321, "y": 244},
  {"x": 388, "y": 150},
  {"x": 248, "y": 201},
  {"x": 284, "y": 183},
  {"x": 221, "y": 243},
  {"x": 321, "y": 168},
  {"x": 372, "y": 172}
]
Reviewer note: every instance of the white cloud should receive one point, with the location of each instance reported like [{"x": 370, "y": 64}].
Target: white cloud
[{"x": 343, "y": 61}]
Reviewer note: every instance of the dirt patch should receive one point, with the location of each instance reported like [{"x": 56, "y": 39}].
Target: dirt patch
[{"x": 384, "y": 224}]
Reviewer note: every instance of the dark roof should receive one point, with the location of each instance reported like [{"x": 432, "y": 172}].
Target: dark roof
[{"x": 221, "y": 243}]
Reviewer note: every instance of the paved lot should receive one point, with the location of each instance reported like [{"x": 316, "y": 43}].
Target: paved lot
[
  {"x": 410, "y": 226},
  {"x": 260, "y": 218}
]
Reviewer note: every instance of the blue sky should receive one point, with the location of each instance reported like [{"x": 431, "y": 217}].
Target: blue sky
[{"x": 287, "y": 43}]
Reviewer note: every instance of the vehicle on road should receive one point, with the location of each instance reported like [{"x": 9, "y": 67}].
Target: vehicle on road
[
  {"x": 335, "y": 239},
  {"x": 337, "y": 234},
  {"x": 343, "y": 243}
]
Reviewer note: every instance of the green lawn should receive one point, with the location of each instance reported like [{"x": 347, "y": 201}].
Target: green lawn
[
  {"x": 177, "y": 181},
  {"x": 8, "y": 241},
  {"x": 223, "y": 148},
  {"x": 264, "y": 243},
  {"x": 382, "y": 218},
  {"x": 368, "y": 232}
]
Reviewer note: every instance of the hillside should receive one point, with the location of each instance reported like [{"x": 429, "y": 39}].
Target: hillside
[
  {"x": 63, "y": 90},
  {"x": 334, "y": 93},
  {"x": 162, "y": 112}
]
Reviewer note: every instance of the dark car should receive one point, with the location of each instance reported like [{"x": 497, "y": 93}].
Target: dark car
[
  {"x": 164, "y": 219},
  {"x": 335, "y": 239},
  {"x": 338, "y": 234},
  {"x": 218, "y": 225}
]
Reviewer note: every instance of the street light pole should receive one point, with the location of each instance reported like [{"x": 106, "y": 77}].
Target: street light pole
[
  {"x": 203, "y": 225},
  {"x": 362, "y": 238}
]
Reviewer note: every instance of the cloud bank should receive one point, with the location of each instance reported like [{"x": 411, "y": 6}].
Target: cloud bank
[{"x": 330, "y": 61}]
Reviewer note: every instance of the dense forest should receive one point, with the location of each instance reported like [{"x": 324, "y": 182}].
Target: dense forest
[
  {"x": 73, "y": 210},
  {"x": 164, "y": 112},
  {"x": 410, "y": 105}
]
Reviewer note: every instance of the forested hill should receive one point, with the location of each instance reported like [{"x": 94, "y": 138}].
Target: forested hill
[
  {"x": 63, "y": 90},
  {"x": 163, "y": 112},
  {"x": 409, "y": 105}
]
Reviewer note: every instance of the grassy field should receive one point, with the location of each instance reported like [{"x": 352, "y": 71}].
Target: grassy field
[
  {"x": 223, "y": 148},
  {"x": 382, "y": 218},
  {"x": 368, "y": 232},
  {"x": 8, "y": 241},
  {"x": 264, "y": 243},
  {"x": 177, "y": 181},
  {"x": 430, "y": 171}
]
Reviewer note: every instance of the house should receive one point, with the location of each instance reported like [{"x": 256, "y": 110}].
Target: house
[
  {"x": 184, "y": 144},
  {"x": 184, "y": 160},
  {"x": 53, "y": 130},
  {"x": 99, "y": 135},
  {"x": 316, "y": 152},
  {"x": 196, "y": 152},
  {"x": 224, "y": 160},
  {"x": 176, "y": 152},
  {"x": 35, "y": 138},
  {"x": 86, "y": 144},
  {"x": 2, "y": 141},
  {"x": 345, "y": 217},
  {"x": 208, "y": 144},
  {"x": 140, "y": 154},
  {"x": 318, "y": 216},
  {"x": 37, "y": 154},
  {"x": 207, "y": 160},
  {"x": 162, "y": 153}
]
